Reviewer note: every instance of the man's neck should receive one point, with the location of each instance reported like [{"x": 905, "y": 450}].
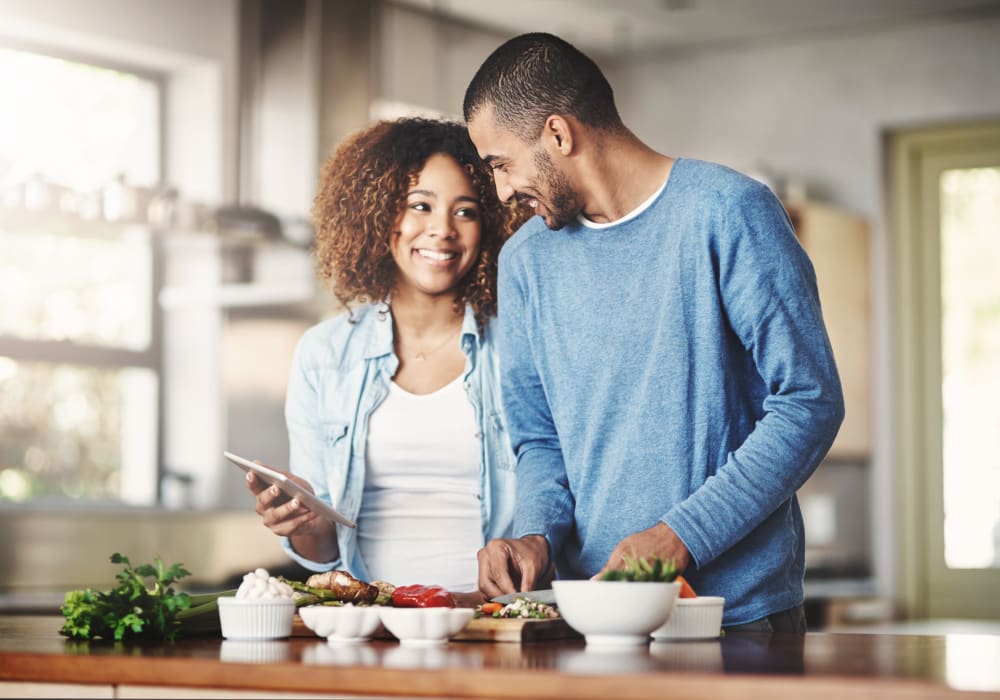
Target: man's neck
[{"x": 623, "y": 173}]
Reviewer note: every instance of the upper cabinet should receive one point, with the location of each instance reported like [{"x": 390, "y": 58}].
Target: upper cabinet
[{"x": 837, "y": 242}]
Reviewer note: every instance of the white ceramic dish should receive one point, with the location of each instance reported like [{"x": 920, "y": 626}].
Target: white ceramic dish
[
  {"x": 256, "y": 618},
  {"x": 693, "y": 618},
  {"x": 341, "y": 623},
  {"x": 615, "y": 612},
  {"x": 425, "y": 626}
]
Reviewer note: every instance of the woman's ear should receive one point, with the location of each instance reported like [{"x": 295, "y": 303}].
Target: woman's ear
[{"x": 558, "y": 131}]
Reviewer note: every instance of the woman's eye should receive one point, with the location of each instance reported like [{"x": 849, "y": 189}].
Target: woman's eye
[
  {"x": 468, "y": 213},
  {"x": 419, "y": 206}
]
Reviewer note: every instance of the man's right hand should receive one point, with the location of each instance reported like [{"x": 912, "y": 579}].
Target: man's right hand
[{"x": 514, "y": 566}]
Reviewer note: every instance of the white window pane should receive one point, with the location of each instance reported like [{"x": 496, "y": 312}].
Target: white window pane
[
  {"x": 65, "y": 432},
  {"x": 970, "y": 296},
  {"x": 94, "y": 290},
  {"x": 76, "y": 125}
]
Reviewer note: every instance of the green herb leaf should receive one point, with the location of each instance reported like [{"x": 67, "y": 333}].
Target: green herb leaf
[
  {"x": 643, "y": 569},
  {"x": 131, "y": 610}
]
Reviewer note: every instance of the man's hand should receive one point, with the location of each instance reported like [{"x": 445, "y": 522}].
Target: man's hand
[
  {"x": 658, "y": 541},
  {"x": 512, "y": 566}
]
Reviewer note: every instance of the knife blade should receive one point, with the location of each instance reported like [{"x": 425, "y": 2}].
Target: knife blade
[{"x": 545, "y": 595}]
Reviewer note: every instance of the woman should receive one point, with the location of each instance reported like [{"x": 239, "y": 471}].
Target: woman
[{"x": 393, "y": 410}]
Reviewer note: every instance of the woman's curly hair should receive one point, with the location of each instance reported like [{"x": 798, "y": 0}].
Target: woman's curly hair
[{"x": 362, "y": 193}]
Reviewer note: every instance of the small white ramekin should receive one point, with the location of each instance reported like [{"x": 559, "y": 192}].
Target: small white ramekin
[
  {"x": 256, "y": 618},
  {"x": 693, "y": 618}
]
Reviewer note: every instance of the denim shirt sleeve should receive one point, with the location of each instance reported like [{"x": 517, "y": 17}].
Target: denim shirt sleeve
[{"x": 306, "y": 437}]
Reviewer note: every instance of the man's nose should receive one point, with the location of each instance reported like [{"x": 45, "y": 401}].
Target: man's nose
[{"x": 504, "y": 189}]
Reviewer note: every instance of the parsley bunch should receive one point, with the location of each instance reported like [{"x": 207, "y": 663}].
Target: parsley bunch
[
  {"x": 130, "y": 611},
  {"x": 643, "y": 569}
]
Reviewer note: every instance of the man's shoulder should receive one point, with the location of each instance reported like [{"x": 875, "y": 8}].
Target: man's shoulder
[
  {"x": 716, "y": 179},
  {"x": 524, "y": 238}
]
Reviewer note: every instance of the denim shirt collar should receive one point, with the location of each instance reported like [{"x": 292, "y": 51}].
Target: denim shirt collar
[{"x": 379, "y": 341}]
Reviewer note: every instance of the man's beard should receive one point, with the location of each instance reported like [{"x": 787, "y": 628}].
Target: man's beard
[{"x": 564, "y": 204}]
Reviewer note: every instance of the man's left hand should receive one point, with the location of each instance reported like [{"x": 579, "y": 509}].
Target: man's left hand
[{"x": 658, "y": 541}]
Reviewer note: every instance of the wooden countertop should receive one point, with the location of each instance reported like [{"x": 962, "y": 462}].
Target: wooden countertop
[{"x": 764, "y": 666}]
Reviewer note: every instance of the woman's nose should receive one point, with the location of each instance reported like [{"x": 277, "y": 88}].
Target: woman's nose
[{"x": 439, "y": 225}]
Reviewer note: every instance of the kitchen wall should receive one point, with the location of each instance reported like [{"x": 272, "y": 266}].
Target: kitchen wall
[{"x": 813, "y": 107}]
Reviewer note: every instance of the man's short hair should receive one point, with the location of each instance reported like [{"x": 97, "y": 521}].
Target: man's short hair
[{"x": 533, "y": 76}]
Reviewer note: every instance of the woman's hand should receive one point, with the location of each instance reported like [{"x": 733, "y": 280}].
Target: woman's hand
[{"x": 286, "y": 516}]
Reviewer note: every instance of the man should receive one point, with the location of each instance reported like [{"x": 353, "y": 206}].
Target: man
[{"x": 666, "y": 373}]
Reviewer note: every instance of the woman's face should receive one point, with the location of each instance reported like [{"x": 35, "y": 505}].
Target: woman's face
[{"x": 436, "y": 241}]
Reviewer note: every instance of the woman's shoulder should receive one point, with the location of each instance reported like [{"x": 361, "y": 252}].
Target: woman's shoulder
[{"x": 342, "y": 337}]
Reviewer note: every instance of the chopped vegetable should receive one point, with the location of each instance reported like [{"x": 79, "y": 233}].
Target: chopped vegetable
[
  {"x": 418, "y": 596},
  {"x": 260, "y": 584},
  {"x": 686, "y": 590},
  {"x": 130, "y": 610},
  {"x": 490, "y": 608},
  {"x": 521, "y": 607},
  {"x": 643, "y": 569}
]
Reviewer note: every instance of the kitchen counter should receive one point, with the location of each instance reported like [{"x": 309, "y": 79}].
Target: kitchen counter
[{"x": 819, "y": 665}]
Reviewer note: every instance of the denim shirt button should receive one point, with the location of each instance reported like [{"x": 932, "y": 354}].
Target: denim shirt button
[{"x": 479, "y": 436}]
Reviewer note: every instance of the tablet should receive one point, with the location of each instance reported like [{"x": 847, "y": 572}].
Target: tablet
[{"x": 290, "y": 488}]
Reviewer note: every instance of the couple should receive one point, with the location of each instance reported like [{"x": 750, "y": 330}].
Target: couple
[{"x": 666, "y": 379}]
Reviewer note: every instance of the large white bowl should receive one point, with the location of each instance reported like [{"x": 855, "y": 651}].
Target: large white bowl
[
  {"x": 615, "y": 612},
  {"x": 693, "y": 618},
  {"x": 341, "y": 624},
  {"x": 425, "y": 626},
  {"x": 256, "y": 618}
]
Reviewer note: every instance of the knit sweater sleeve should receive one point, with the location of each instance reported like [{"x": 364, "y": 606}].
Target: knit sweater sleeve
[
  {"x": 544, "y": 504},
  {"x": 768, "y": 290}
]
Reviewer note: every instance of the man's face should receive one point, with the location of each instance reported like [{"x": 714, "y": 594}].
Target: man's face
[{"x": 525, "y": 171}]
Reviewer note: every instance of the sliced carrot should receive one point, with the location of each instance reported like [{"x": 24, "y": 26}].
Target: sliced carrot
[
  {"x": 686, "y": 590},
  {"x": 490, "y": 608}
]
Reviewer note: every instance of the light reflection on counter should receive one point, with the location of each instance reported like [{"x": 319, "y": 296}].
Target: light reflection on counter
[{"x": 971, "y": 661}]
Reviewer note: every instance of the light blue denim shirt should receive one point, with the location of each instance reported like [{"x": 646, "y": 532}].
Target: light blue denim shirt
[{"x": 340, "y": 374}]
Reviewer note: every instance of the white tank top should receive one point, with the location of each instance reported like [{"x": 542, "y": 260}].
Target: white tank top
[{"x": 421, "y": 517}]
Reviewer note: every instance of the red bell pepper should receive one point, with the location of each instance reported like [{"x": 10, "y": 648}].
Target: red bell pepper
[{"x": 417, "y": 596}]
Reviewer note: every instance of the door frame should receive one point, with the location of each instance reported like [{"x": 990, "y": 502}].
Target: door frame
[{"x": 916, "y": 159}]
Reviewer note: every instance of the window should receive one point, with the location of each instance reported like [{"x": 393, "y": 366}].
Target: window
[{"x": 79, "y": 348}]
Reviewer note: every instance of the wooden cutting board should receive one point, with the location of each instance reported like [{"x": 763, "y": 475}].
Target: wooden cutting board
[{"x": 516, "y": 630}]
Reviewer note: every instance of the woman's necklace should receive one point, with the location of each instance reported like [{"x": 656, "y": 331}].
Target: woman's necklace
[{"x": 422, "y": 354}]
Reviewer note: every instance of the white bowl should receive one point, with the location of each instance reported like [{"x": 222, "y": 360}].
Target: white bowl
[
  {"x": 693, "y": 618},
  {"x": 615, "y": 612},
  {"x": 343, "y": 623},
  {"x": 425, "y": 626},
  {"x": 256, "y": 618}
]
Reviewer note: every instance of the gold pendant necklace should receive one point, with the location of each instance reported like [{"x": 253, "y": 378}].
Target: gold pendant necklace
[{"x": 422, "y": 354}]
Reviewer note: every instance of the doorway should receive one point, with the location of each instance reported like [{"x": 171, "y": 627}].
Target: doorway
[{"x": 946, "y": 252}]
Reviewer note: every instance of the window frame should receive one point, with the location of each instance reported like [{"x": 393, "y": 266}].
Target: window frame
[{"x": 70, "y": 352}]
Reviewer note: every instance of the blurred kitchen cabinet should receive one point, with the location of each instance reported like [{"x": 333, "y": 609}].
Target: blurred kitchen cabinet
[{"x": 838, "y": 245}]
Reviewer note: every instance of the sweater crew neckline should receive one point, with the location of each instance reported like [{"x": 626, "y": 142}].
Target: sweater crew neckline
[{"x": 584, "y": 221}]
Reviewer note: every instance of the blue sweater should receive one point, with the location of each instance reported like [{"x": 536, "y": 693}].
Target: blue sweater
[{"x": 673, "y": 366}]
